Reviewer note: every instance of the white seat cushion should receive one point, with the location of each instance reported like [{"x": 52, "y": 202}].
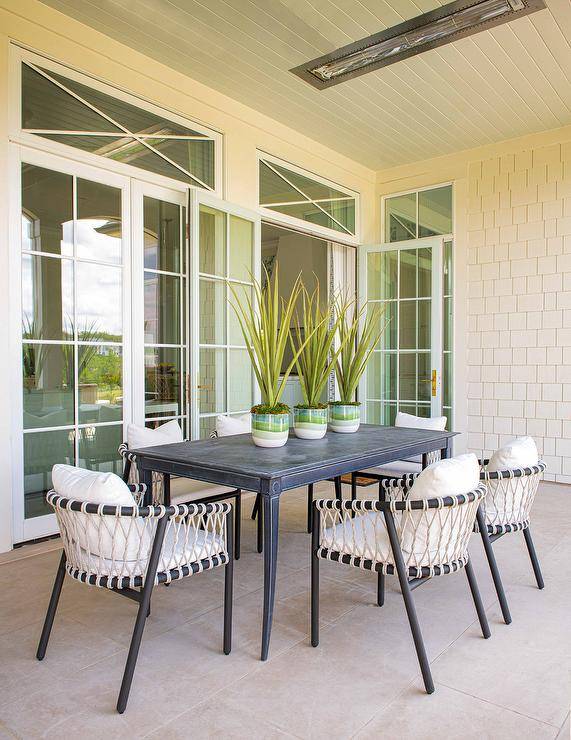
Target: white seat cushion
[
  {"x": 397, "y": 468},
  {"x": 180, "y": 547},
  {"x": 365, "y": 536},
  {"x": 139, "y": 437},
  {"x": 521, "y": 452},
  {"x": 227, "y": 426},
  {"x": 186, "y": 490}
]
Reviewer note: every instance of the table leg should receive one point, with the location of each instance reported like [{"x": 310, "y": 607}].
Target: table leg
[
  {"x": 271, "y": 505},
  {"x": 146, "y": 477},
  {"x": 446, "y": 452}
]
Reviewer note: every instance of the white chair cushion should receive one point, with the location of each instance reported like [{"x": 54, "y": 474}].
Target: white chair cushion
[
  {"x": 226, "y": 426},
  {"x": 186, "y": 491},
  {"x": 178, "y": 550},
  {"x": 449, "y": 477},
  {"x": 91, "y": 486},
  {"x": 425, "y": 535},
  {"x": 397, "y": 468},
  {"x": 138, "y": 437},
  {"x": 420, "y": 422},
  {"x": 102, "y": 536},
  {"x": 506, "y": 499},
  {"x": 364, "y": 536},
  {"x": 519, "y": 453}
]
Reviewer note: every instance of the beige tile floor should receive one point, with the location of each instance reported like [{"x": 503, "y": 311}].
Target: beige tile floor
[{"x": 362, "y": 681}]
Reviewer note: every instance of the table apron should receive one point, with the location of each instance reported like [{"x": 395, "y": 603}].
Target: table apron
[
  {"x": 266, "y": 485},
  {"x": 316, "y": 474}
]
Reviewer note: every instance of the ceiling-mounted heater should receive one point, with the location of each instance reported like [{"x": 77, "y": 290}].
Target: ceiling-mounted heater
[{"x": 428, "y": 31}]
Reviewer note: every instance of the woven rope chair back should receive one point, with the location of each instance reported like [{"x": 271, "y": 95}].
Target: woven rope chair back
[
  {"x": 158, "y": 479},
  {"x": 111, "y": 545},
  {"x": 509, "y": 496},
  {"x": 433, "y": 533}
]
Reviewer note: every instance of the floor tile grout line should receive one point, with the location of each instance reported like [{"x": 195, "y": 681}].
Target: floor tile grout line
[{"x": 500, "y": 706}]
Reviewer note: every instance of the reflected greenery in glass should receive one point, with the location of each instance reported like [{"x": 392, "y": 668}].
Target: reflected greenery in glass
[
  {"x": 48, "y": 385},
  {"x": 42, "y": 450},
  {"x": 100, "y": 371},
  {"x": 162, "y": 381}
]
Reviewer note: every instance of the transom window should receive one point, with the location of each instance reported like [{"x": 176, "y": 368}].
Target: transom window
[
  {"x": 418, "y": 214},
  {"x": 303, "y": 197},
  {"x": 82, "y": 116}
]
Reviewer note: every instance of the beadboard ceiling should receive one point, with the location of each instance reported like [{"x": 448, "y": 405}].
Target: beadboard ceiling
[{"x": 505, "y": 82}]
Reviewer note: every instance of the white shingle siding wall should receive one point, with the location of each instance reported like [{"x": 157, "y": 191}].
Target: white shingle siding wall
[{"x": 519, "y": 303}]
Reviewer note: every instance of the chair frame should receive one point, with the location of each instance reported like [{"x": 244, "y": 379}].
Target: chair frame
[
  {"x": 409, "y": 578},
  {"x": 492, "y": 533},
  {"x": 126, "y": 586},
  {"x": 130, "y": 459}
]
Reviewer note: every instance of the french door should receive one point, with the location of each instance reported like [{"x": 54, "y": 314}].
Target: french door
[
  {"x": 124, "y": 289},
  {"x": 410, "y": 369},
  {"x": 225, "y": 257},
  {"x": 72, "y": 338}
]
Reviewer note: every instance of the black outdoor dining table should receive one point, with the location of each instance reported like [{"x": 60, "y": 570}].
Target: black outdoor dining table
[{"x": 236, "y": 462}]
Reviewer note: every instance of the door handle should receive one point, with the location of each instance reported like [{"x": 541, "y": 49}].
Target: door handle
[{"x": 434, "y": 382}]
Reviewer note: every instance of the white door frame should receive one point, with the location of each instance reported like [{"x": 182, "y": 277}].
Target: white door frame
[
  {"x": 196, "y": 199},
  {"x": 178, "y": 196},
  {"x": 26, "y": 529},
  {"x": 436, "y": 324}
]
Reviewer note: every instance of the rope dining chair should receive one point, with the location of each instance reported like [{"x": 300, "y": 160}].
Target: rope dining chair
[
  {"x": 130, "y": 549},
  {"x": 506, "y": 509},
  {"x": 184, "y": 490},
  {"x": 416, "y": 539}
]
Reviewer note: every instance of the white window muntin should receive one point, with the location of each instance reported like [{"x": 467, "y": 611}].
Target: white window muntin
[
  {"x": 410, "y": 191},
  {"x": 19, "y": 55},
  {"x": 268, "y": 214}
]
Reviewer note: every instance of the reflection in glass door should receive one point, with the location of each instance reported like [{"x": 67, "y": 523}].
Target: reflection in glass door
[
  {"x": 226, "y": 251},
  {"x": 410, "y": 370},
  {"x": 72, "y": 328},
  {"x": 159, "y": 216}
]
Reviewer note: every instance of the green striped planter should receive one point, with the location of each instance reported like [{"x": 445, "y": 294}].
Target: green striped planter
[
  {"x": 344, "y": 418},
  {"x": 309, "y": 423},
  {"x": 270, "y": 430}
]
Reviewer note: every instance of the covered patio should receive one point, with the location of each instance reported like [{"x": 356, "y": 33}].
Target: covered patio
[{"x": 286, "y": 299}]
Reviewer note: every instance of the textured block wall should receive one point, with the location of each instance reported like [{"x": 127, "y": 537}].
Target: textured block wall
[{"x": 519, "y": 303}]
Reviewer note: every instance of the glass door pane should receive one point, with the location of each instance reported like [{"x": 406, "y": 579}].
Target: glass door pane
[
  {"x": 227, "y": 253},
  {"x": 161, "y": 235},
  {"x": 72, "y": 328},
  {"x": 405, "y": 281}
]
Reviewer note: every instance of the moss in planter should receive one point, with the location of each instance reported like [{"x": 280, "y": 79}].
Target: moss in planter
[
  {"x": 344, "y": 403},
  {"x": 308, "y": 406},
  {"x": 264, "y": 408}
]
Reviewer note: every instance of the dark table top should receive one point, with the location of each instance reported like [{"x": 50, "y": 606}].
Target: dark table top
[{"x": 237, "y": 454}]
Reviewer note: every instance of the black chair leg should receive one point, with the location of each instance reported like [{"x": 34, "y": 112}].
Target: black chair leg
[
  {"x": 144, "y": 609},
  {"x": 52, "y": 607},
  {"x": 493, "y": 566},
  {"x": 238, "y": 525},
  {"x": 409, "y": 604},
  {"x": 533, "y": 558},
  {"x": 260, "y": 531},
  {"x": 256, "y": 506},
  {"x": 309, "y": 507},
  {"x": 315, "y": 578},
  {"x": 338, "y": 488},
  {"x": 477, "y": 600},
  {"x": 228, "y": 588},
  {"x": 380, "y": 588}
]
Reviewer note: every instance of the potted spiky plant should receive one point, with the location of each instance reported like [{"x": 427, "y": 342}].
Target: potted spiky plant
[
  {"x": 358, "y": 336},
  {"x": 315, "y": 362},
  {"x": 266, "y": 332}
]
